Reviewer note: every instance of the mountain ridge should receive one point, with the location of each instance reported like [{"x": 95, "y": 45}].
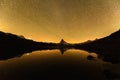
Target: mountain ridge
[{"x": 12, "y": 45}]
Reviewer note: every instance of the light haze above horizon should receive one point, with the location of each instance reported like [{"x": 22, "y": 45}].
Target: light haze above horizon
[{"x": 52, "y": 20}]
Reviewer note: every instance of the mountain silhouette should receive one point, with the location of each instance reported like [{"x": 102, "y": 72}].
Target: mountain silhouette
[
  {"x": 115, "y": 34},
  {"x": 12, "y": 45},
  {"x": 107, "y": 48}
]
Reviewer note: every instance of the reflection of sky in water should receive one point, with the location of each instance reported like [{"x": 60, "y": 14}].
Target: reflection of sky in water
[{"x": 72, "y": 62}]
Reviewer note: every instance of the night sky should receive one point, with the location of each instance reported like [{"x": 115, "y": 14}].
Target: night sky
[{"x": 51, "y": 20}]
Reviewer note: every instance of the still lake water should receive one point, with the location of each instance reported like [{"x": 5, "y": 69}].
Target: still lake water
[{"x": 52, "y": 65}]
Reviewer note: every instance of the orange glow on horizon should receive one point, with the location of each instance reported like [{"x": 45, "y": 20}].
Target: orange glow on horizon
[{"x": 49, "y": 21}]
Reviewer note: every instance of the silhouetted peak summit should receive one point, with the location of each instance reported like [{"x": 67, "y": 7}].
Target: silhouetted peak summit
[{"x": 63, "y": 41}]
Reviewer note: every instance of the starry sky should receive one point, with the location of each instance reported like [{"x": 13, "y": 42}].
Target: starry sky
[{"x": 51, "y": 20}]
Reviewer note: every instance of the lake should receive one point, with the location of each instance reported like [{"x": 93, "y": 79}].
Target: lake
[{"x": 52, "y": 65}]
